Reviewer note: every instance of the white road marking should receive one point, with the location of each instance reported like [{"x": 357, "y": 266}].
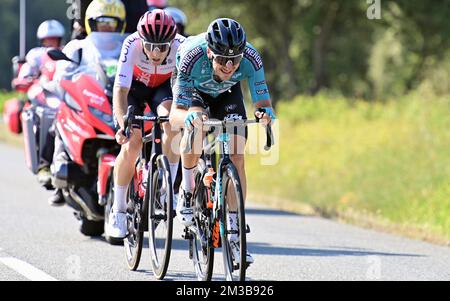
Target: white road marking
[{"x": 26, "y": 269}]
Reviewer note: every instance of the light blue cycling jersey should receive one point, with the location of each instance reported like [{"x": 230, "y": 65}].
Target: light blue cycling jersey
[{"x": 194, "y": 72}]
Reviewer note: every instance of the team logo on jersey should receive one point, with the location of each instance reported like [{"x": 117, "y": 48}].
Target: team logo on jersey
[
  {"x": 263, "y": 82},
  {"x": 262, "y": 92},
  {"x": 128, "y": 44},
  {"x": 233, "y": 117},
  {"x": 253, "y": 56},
  {"x": 230, "y": 108},
  {"x": 189, "y": 60},
  {"x": 220, "y": 88}
]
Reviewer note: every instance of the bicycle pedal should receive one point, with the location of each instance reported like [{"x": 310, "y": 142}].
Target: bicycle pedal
[{"x": 187, "y": 235}]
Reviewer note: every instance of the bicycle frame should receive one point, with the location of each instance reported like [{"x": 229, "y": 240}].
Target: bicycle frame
[
  {"x": 143, "y": 178},
  {"x": 154, "y": 136},
  {"x": 225, "y": 158}
]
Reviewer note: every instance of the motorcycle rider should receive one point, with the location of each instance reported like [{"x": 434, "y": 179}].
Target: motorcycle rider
[
  {"x": 50, "y": 34},
  {"x": 102, "y": 17},
  {"x": 134, "y": 10}
]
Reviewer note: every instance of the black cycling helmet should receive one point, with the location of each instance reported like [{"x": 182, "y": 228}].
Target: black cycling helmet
[{"x": 226, "y": 37}]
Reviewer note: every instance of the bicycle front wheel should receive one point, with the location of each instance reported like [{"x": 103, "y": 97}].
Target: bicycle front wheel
[
  {"x": 160, "y": 217},
  {"x": 201, "y": 232},
  {"x": 235, "y": 264},
  {"x": 134, "y": 241}
]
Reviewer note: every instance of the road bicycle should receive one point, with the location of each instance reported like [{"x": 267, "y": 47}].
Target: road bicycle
[
  {"x": 214, "y": 188},
  {"x": 150, "y": 199}
]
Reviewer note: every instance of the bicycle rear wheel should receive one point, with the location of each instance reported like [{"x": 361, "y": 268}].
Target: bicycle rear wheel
[
  {"x": 201, "y": 234},
  {"x": 160, "y": 217},
  {"x": 235, "y": 269},
  {"x": 136, "y": 211}
]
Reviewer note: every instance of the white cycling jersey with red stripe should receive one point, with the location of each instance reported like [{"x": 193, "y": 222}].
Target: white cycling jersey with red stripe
[{"x": 134, "y": 64}]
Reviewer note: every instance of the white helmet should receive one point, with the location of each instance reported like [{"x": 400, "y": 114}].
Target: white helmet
[
  {"x": 177, "y": 15},
  {"x": 50, "y": 29}
]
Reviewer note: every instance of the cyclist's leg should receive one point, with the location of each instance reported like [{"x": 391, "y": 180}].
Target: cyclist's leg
[
  {"x": 230, "y": 105},
  {"x": 189, "y": 160},
  {"x": 129, "y": 152},
  {"x": 161, "y": 104},
  {"x": 178, "y": 114}
]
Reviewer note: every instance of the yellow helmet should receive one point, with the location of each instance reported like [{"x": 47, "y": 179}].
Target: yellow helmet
[{"x": 105, "y": 8}]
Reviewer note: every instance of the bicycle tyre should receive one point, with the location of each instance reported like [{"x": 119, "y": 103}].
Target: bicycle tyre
[
  {"x": 160, "y": 212},
  {"x": 233, "y": 271},
  {"x": 133, "y": 243}
]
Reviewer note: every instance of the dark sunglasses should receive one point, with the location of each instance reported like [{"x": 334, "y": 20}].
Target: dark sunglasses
[
  {"x": 223, "y": 60},
  {"x": 150, "y": 47}
]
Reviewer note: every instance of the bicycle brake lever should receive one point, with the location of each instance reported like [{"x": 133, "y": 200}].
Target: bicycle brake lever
[
  {"x": 269, "y": 138},
  {"x": 128, "y": 120}
]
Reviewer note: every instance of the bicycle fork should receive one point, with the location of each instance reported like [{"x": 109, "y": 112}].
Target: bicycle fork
[{"x": 218, "y": 223}]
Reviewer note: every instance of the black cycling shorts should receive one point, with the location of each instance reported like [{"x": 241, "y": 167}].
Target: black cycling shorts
[
  {"x": 140, "y": 95},
  {"x": 226, "y": 106}
]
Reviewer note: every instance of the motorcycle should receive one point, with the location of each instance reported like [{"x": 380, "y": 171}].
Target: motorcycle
[{"x": 85, "y": 147}]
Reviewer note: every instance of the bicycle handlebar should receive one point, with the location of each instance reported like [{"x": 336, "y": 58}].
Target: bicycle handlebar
[
  {"x": 130, "y": 117},
  {"x": 224, "y": 123}
]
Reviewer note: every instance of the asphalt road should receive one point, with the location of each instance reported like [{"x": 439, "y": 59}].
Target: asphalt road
[{"x": 38, "y": 242}]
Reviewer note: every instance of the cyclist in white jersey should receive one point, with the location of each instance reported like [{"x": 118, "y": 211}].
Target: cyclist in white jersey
[{"x": 143, "y": 76}]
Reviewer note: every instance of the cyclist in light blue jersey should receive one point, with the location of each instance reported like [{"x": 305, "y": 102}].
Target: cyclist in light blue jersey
[{"x": 206, "y": 84}]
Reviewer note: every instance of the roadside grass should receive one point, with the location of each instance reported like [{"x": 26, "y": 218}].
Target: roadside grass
[{"x": 381, "y": 165}]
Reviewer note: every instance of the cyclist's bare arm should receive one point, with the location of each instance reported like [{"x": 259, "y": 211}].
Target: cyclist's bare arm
[{"x": 120, "y": 100}]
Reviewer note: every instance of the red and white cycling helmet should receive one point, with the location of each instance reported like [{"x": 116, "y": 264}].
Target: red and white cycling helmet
[{"x": 157, "y": 27}]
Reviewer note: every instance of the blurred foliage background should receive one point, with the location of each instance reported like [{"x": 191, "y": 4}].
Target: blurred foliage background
[
  {"x": 331, "y": 45},
  {"x": 307, "y": 45}
]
